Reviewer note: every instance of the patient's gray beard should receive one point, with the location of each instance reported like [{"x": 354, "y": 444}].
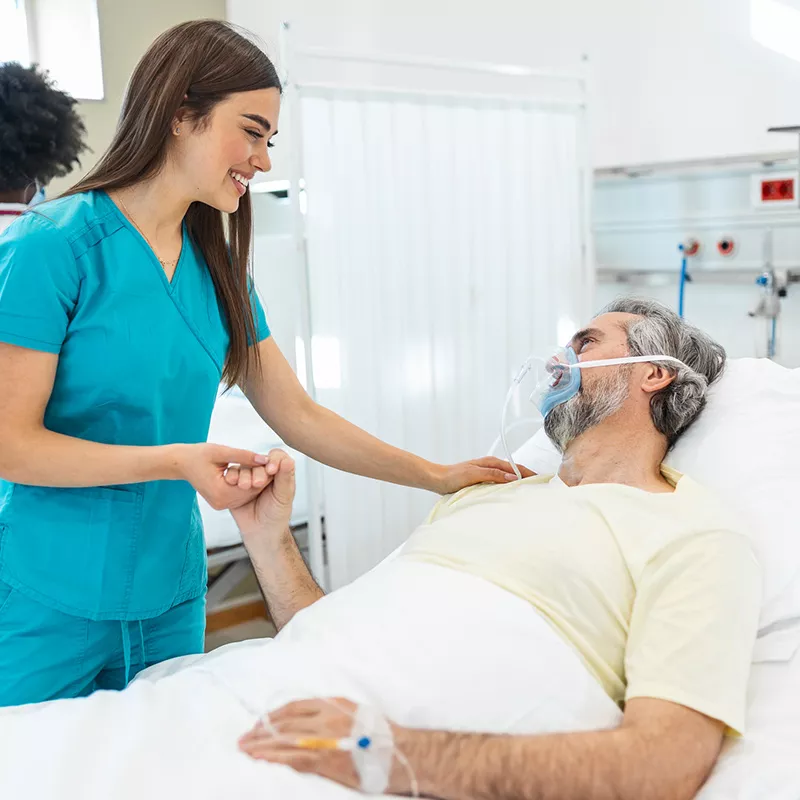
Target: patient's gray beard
[{"x": 572, "y": 419}]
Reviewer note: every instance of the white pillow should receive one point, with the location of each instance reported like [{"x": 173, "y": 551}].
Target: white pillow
[{"x": 745, "y": 446}]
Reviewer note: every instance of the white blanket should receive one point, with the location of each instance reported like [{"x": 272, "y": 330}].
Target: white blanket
[{"x": 430, "y": 647}]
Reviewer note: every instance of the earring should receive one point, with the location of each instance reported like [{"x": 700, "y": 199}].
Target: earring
[{"x": 177, "y": 130}]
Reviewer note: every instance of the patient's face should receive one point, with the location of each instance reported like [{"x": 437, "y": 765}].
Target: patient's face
[
  {"x": 604, "y": 390},
  {"x": 604, "y": 337}
]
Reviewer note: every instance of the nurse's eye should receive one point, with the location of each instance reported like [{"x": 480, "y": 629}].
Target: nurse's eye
[{"x": 254, "y": 134}]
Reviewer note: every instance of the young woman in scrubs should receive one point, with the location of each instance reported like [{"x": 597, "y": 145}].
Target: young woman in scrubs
[{"x": 123, "y": 305}]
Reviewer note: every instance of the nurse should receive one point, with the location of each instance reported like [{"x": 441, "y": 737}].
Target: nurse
[
  {"x": 123, "y": 305},
  {"x": 41, "y": 137}
]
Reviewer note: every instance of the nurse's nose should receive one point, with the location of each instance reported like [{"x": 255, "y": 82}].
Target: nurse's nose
[{"x": 261, "y": 161}]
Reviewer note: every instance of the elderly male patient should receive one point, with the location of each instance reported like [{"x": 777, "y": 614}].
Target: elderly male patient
[{"x": 638, "y": 568}]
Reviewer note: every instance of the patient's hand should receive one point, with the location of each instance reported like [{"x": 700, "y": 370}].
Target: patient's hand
[
  {"x": 271, "y": 510},
  {"x": 324, "y": 718}
]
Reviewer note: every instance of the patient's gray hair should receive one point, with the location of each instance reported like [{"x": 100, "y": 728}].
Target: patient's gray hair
[{"x": 662, "y": 331}]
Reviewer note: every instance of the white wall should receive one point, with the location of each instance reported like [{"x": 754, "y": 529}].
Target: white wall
[
  {"x": 57, "y": 25},
  {"x": 126, "y": 31},
  {"x": 672, "y": 80}
]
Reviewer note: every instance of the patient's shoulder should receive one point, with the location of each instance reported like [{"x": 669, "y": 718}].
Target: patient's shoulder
[
  {"x": 485, "y": 493},
  {"x": 701, "y": 497},
  {"x": 704, "y": 510}
]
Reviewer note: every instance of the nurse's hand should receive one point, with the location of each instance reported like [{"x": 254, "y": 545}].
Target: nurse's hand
[
  {"x": 205, "y": 467},
  {"x": 482, "y": 470},
  {"x": 271, "y": 510}
]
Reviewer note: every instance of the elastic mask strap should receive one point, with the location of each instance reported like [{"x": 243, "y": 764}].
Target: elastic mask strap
[{"x": 609, "y": 362}]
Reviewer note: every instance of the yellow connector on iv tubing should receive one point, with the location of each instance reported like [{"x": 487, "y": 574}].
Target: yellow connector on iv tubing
[
  {"x": 317, "y": 743},
  {"x": 321, "y": 743}
]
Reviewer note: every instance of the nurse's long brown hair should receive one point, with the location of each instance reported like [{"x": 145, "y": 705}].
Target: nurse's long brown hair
[{"x": 193, "y": 66}]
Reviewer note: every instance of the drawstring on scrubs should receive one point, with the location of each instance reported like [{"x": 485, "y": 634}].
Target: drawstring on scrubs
[
  {"x": 126, "y": 647},
  {"x": 141, "y": 642}
]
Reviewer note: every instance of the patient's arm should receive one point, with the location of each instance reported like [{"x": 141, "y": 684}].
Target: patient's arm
[
  {"x": 661, "y": 750},
  {"x": 285, "y": 581}
]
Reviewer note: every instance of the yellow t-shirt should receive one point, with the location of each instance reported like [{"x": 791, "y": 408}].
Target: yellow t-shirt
[{"x": 659, "y": 593}]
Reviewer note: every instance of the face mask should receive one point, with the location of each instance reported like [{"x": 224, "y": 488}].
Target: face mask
[
  {"x": 38, "y": 197},
  {"x": 561, "y": 378},
  {"x": 558, "y": 379}
]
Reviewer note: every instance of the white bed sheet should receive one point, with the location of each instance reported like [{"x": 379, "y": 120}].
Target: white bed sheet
[
  {"x": 375, "y": 641},
  {"x": 173, "y": 732}
]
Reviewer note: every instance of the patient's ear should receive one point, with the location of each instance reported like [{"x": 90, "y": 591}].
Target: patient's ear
[{"x": 656, "y": 378}]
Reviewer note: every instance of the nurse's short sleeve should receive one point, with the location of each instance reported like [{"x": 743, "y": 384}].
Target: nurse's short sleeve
[
  {"x": 694, "y": 626},
  {"x": 39, "y": 285},
  {"x": 262, "y": 328}
]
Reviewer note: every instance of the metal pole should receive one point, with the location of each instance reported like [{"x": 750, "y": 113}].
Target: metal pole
[
  {"x": 507, "y": 70},
  {"x": 587, "y": 190},
  {"x": 533, "y": 101},
  {"x": 31, "y": 21},
  {"x": 316, "y": 553}
]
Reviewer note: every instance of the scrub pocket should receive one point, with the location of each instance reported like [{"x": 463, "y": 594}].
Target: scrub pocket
[{"x": 74, "y": 549}]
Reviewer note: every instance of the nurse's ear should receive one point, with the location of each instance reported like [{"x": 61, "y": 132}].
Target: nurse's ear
[{"x": 180, "y": 117}]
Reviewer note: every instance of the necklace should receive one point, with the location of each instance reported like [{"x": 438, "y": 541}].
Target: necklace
[{"x": 165, "y": 264}]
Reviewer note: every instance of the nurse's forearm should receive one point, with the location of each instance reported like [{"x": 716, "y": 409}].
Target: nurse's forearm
[
  {"x": 284, "y": 405},
  {"x": 45, "y": 458},
  {"x": 326, "y": 437}
]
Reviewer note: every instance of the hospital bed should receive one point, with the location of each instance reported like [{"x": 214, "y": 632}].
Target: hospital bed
[
  {"x": 746, "y": 445},
  {"x": 173, "y": 732}
]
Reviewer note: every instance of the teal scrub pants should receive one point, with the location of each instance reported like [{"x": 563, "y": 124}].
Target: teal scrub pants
[{"x": 47, "y": 655}]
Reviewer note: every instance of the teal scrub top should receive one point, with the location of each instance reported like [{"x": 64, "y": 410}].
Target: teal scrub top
[{"x": 140, "y": 362}]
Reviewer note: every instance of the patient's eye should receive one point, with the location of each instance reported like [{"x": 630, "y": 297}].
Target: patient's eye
[{"x": 583, "y": 342}]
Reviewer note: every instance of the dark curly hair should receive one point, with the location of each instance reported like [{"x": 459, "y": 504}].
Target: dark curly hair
[{"x": 41, "y": 134}]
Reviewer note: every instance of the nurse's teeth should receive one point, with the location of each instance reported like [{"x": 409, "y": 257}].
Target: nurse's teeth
[{"x": 239, "y": 178}]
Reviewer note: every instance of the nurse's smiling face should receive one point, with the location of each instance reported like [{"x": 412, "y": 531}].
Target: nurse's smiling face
[{"x": 218, "y": 157}]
